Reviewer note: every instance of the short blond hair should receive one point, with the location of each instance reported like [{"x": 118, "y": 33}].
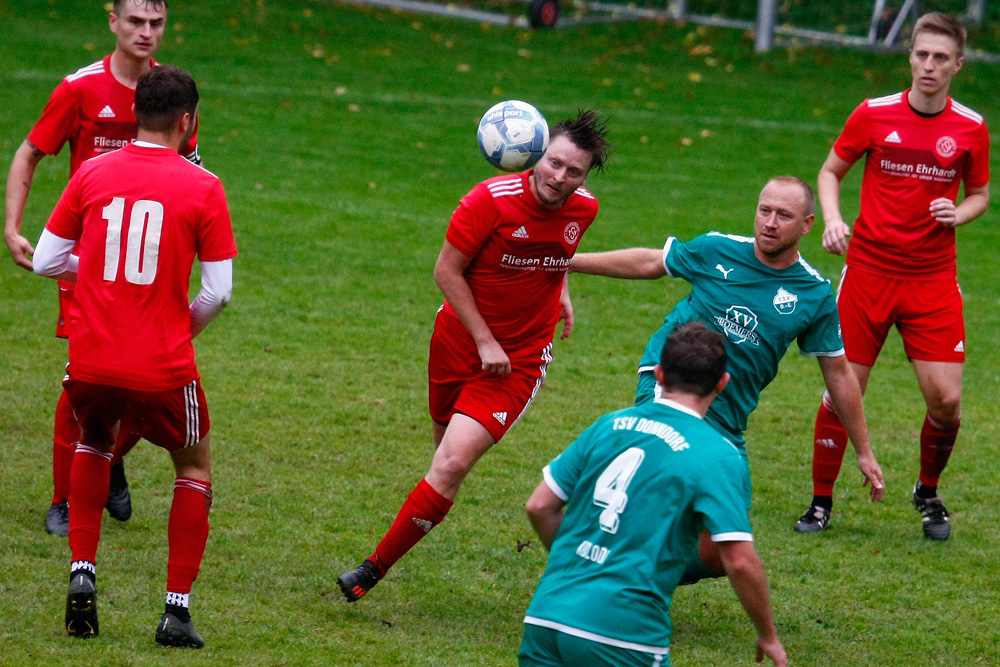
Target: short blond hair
[{"x": 939, "y": 23}]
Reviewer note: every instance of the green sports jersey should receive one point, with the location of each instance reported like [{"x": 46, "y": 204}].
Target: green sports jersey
[
  {"x": 640, "y": 484},
  {"x": 760, "y": 310}
]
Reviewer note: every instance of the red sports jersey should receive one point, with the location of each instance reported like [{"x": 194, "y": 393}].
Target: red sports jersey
[
  {"x": 521, "y": 252},
  {"x": 91, "y": 110},
  {"x": 141, "y": 215},
  {"x": 911, "y": 160}
]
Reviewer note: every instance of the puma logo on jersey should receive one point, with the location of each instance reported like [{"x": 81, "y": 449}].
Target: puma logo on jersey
[
  {"x": 521, "y": 233},
  {"x": 725, "y": 272},
  {"x": 500, "y": 417},
  {"x": 106, "y": 112},
  {"x": 423, "y": 524},
  {"x": 893, "y": 138}
]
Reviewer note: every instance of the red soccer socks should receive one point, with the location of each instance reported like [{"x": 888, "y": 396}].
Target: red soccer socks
[
  {"x": 187, "y": 533},
  {"x": 937, "y": 441},
  {"x": 87, "y": 497},
  {"x": 829, "y": 444},
  {"x": 423, "y": 509},
  {"x": 64, "y": 439}
]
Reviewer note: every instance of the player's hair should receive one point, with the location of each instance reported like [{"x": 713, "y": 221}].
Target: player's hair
[
  {"x": 693, "y": 359},
  {"x": 121, "y": 3},
  {"x": 939, "y": 23},
  {"x": 808, "y": 196},
  {"x": 162, "y": 96},
  {"x": 588, "y": 131}
]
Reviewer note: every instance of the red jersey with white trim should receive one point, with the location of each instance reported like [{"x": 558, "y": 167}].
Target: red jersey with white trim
[
  {"x": 521, "y": 252},
  {"x": 91, "y": 110},
  {"x": 141, "y": 214},
  {"x": 911, "y": 160}
]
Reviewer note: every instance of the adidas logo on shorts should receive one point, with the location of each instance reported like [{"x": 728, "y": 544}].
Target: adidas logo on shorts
[{"x": 500, "y": 417}]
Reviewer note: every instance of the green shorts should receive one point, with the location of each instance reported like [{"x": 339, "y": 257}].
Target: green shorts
[{"x": 545, "y": 647}]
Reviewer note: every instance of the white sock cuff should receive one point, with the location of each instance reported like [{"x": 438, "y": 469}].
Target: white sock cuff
[
  {"x": 178, "y": 599},
  {"x": 83, "y": 565}
]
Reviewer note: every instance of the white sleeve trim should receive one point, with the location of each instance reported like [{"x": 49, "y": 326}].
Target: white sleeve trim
[
  {"x": 54, "y": 258},
  {"x": 553, "y": 486},
  {"x": 732, "y": 537},
  {"x": 833, "y": 353}
]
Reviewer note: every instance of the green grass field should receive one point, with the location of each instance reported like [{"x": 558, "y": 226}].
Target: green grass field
[{"x": 345, "y": 138}]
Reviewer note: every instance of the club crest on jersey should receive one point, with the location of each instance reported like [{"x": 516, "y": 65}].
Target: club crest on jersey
[
  {"x": 739, "y": 324},
  {"x": 572, "y": 233},
  {"x": 784, "y": 301},
  {"x": 946, "y": 147}
]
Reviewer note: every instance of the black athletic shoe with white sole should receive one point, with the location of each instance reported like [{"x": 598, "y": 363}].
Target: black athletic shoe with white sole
[
  {"x": 356, "y": 583},
  {"x": 814, "y": 520},
  {"x": 935, "y": 516},
  {"x": 119, "y": 499},
  {"x": 57, "y": 519},
  {"x": 81, "y": 608},
  {"x": 171, "y": 631}
]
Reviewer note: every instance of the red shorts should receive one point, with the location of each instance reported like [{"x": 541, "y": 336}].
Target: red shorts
[
  {"x": 65, "y": 301},
  {"x": 458, "y": 383},
  {"x": 927, "y": 313},
  {"x": 172, "y": 419}
]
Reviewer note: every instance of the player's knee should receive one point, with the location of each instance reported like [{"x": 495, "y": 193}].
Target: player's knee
[{"x": 945, "y": 406}]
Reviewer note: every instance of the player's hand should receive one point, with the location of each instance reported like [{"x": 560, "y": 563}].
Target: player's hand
[
  {"x": 566, "y": 315},
  {"x": 773, "y": 649},
  {"x": 21, "y": 250},
  {"x": 943, "y": 211},
  {"x": 873, "y": 475},
  {"x": 835, "y": 237},
  {"x": 494, "y": 359}
]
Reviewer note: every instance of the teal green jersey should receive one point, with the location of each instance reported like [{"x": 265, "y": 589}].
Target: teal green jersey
[
  {"x": 760, "y": 310},
  {"x": 640, "y": 486}
]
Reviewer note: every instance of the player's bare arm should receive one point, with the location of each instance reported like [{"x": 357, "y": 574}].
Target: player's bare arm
[
  {"x": 545, "y": 512},
  {"x": 836, "y": 231},
  {"x": 746, "y": 575},
  {"x": 449, "y": 274},
  {"x": 845, "y": 394},
  {"x": 636, "y": 263},
  {"x": 973, "y": 205},
  {"x": 566, "y": 309},
  {"x": 22, "y": 172}
]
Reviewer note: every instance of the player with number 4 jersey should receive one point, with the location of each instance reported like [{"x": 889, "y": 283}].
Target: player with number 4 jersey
[{"x": 621, "y": 510}]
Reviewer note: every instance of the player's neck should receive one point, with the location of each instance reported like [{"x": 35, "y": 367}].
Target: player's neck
[
  {"x": 167, "y": 140},
  {"x": 781, "y": 260},
  {"x": 127, "y": 69},
  {"x": 928, "y": 105},
  {"x": 697, "y": 404}
]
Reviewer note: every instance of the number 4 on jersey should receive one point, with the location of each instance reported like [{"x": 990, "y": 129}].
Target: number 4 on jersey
[
  {"x": 609, "y": 492},
  {"x": 142, "y": 245}
]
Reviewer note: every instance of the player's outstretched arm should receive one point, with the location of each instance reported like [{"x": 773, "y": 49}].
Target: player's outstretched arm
[
  {"x": 216, "y": 290},
  {"x": 545, "y": 512},
  {"x": 746, "y": 574},
  {"x": 449, "y": 274},
  {"x": 22, "y": 172},
  {"x": 835, "y": 231},
  {"x": 639, "y": 263},
  {"x": 845, "y": 394}
]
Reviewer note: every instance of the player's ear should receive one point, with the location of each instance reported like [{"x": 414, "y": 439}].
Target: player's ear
[
  {"x": 808, "y": 224},
  {"x": 723, "y": 381},
  {"x": 658, "y": 372}
]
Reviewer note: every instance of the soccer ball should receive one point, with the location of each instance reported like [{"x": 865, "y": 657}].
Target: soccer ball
[{"x": 513, "y": 135}]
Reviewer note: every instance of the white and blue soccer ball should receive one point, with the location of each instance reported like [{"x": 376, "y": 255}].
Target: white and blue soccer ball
[{"x": 513, "y": 135}]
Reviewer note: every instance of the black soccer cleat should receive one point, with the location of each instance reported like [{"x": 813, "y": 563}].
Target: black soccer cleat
[
  {"x": 57, "y": 519},
  {"x": 171, "y": 631},
  {"x": 81, "y": 608},
  {"x": 356, "y": 583},
  {"x": 814, "y": 520},
  {"x": 119, "y": 499},
  {"x": 936, "y": 523}
]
